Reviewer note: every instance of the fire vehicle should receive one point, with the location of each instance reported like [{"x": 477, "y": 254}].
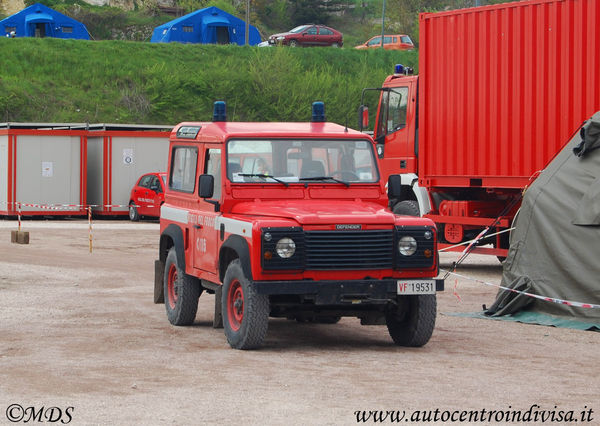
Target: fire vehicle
[
  {"x": 290, "y": 220},
  {"x": 501, "y": 90}
]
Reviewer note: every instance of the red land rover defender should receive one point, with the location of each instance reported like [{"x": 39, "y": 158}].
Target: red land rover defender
[{"x": 290, "y": 220}]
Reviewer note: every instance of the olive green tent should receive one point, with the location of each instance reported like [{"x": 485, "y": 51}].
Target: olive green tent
[{"x": 555, "y": 246}]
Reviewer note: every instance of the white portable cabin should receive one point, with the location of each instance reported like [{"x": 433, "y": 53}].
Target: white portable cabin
[
  {"x": 118, "y": 154},
  {"x": 43, "y": 169}
]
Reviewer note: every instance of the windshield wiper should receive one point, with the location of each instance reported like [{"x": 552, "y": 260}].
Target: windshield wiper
[
  {"x": 326, "y": 178},
  {"x": 263, "y": 176}
]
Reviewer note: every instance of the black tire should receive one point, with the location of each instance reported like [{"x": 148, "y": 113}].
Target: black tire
[
  {"x": 134, "y": 216},
  {"x": 407, "y": 208},
  {"x": 245, "y": 313},
  {"x": 335, "y": 45},
  {"x": 181, "y": 292},
  {"x": 412, "y": 323}
]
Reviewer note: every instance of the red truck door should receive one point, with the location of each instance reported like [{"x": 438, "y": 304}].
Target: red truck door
[
  {"x": 395, "y": 127},
  {"x": 206, "y": 235}
]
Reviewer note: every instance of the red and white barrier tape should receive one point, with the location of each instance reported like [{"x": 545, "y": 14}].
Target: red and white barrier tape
[
  {"x": 71, "y": 206},
  {"x": 536, "y": 296}
]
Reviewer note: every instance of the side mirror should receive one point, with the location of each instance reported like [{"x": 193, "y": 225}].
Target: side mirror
[
  {"x": 206, "y": 186},
  {"x": 363, "y": 117},
  {"x": 394, "y": 187}
]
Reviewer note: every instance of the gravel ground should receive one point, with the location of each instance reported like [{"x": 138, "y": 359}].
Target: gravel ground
[{"x": 79, "y": 332}]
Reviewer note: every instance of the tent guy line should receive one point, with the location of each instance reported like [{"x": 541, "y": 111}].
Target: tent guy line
[{"x": 536, "y": 296}]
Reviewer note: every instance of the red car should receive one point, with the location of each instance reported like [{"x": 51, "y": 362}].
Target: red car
[
  {"x": 309, "y": 35},
  {"x": 147, "y": 195}
]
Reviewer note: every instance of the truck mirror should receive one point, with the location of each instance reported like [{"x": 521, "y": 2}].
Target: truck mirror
[
  {"x": 394, "y": 187},
  {"x": 363, "y": 117},
  {"x": 206, "y": 186}
]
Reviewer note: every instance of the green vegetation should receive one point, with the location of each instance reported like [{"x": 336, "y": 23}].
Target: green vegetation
[{"x": 51, "y": 80}]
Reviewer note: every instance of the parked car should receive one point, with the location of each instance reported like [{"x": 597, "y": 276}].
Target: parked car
[
  {"x": 147, "y": 195},
  {"x": 309, "y": 35},
  {"x": 390, "y": 42}
]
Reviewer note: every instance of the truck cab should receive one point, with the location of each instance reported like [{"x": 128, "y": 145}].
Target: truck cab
[{"x": 290, "y": 220}]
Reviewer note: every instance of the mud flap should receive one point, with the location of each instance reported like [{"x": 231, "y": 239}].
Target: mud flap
[
  {"x": 218, "y": 319},
  {"x": 159, "y": 274}
]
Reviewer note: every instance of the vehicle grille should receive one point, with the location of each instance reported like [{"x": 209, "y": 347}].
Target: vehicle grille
[{"x": 349, "y": 249}]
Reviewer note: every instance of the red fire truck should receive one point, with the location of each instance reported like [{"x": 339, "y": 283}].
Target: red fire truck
[
  {"x": 290, "y": 220},
  {"x": 501, "y": 90}
]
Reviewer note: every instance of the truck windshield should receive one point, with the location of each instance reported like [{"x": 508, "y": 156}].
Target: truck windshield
[{"x": 301, "y": 160}]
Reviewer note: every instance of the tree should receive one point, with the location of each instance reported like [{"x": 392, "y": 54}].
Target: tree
[{"x": 314, "y": 11}]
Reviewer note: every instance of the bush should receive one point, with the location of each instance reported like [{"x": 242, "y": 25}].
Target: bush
[{"x": 131, "y": 82}]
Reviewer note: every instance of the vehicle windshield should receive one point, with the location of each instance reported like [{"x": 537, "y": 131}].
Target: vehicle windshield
[
  {"x": 281, "y": 161},
  {"x": 299, "y": 29}
]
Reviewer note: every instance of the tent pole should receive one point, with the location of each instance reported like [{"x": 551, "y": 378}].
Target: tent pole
[{"x": 247, "y": 21}]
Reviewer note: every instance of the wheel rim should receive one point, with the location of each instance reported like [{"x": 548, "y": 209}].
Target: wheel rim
[
  {"x": 235, "y": 305},
  {"x": 171, "y": 288},
  {"x": 131, "y": 211}
]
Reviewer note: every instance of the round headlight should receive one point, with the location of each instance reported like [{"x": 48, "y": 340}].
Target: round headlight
[
  {"x": 428, "y": 235},
  {"x": 267, "y": 237},
  {"x": 285, "y": 248},
  {"x": 407, "y": 246}
]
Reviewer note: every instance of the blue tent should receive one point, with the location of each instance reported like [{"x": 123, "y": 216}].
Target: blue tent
[
  {"x": 209, "y": 26},
  {"x": 38, "y": 20}
]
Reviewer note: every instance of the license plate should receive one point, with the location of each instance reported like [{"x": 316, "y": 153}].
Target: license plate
[{"x": 416, "y": 287}]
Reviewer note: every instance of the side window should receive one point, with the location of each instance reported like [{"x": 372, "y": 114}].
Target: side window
[
  {"x": 397, "y": 115},
  {"x": 325, "y": 31},
  {"x": 392, "y": 113},
  {"x": 407, "y": 40},
  {"x": 145, "y": 181},
  {"x": 387, "y": 40},
  {"x": 376, "y": 41},
  {"x": 155, "y": 184},
  {"x": 184, "y": 160},
  {"x": 212, "y": 166},
  {"x": 312, "y": 31}
]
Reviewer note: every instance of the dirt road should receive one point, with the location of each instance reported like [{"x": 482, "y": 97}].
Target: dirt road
[{"x": 79, "y": 332}]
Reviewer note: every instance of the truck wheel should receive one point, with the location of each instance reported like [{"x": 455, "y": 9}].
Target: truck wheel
[
  {"x": 407, "y": 208},
  {"x": 412, "y": 323},
  {"x": 245, "y": 313},
  {"x": 134, "y": 216},
  {"x": 181, "y": 292}
]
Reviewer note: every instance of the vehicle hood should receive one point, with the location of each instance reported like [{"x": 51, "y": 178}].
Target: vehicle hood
[
  {"x": 280, "y": 35},
  {"x": 321, "y": 212}
]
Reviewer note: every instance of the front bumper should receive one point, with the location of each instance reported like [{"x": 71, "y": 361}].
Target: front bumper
[{"x": 336, "y": 292}]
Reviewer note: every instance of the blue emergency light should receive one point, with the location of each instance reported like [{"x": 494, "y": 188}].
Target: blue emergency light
[
  {"x": 220, "y": 111},
  {"x": 318, "y": 112},
  {"x": 401, "y": 69}
]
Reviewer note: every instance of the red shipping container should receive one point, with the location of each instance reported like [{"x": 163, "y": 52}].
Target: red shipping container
[{"x": 502, "y": 88}]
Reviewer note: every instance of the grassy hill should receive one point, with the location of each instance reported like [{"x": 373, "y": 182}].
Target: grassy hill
[{"x": 51, "y": 80}]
